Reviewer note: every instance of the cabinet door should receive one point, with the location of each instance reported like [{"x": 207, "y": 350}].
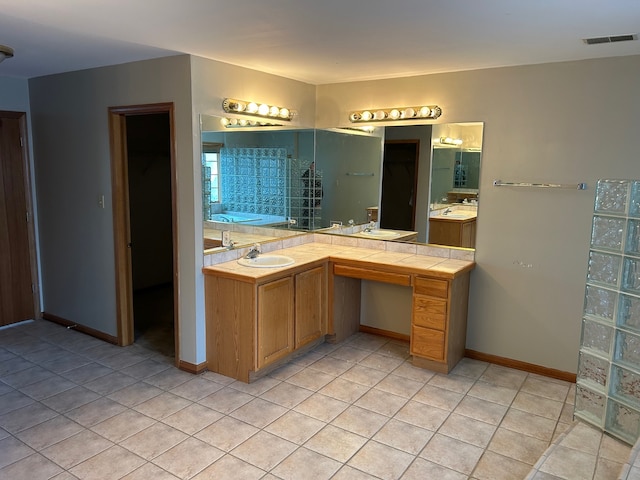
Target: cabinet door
[
  {"x": 275, "y": 321},
  {"x": 310, "y": 304}
]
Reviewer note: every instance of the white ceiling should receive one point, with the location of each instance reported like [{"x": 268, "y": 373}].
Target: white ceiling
[{"x": 315, "y": 41}]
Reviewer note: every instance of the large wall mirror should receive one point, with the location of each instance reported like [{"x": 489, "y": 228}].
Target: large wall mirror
[{"x": 339, "y": 181}]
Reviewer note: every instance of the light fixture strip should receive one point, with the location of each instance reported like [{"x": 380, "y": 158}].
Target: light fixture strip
[
  {"x": 243, "y": 122},
  {"x": 424, "y": 112},
  {"x": 231, "y": 105}
]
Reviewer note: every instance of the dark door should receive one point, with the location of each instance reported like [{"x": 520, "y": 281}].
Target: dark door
[
  {"x": 17, "y": 280},
  {"x": 399, "y": 182}
]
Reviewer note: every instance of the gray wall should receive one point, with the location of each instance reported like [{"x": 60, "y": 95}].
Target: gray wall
[{"x": 564, "y": 122}]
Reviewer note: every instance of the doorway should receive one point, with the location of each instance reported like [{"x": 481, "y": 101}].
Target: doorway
[
  {"x": 18, "y": 272},
  {"x": 143, "y": 173},
  {"x": 399, "y": 184}
]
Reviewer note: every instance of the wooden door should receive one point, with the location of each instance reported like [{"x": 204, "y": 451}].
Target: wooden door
[
  {"x": 310, "y": 301},
  {"x": 275, "y": 321},
  {"x": 18, "y": 299}
]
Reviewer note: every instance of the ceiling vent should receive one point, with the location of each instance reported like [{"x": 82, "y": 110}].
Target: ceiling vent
[{"x": 611, "y": 39}]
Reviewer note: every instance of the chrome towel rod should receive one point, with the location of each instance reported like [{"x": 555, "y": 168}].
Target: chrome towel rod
[
  {"x": 574, "y": 186},
  {"x": 360, "y": 174}
]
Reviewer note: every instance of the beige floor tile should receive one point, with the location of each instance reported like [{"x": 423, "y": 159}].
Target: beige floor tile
[
  {"x": 70, "y": 399},
  {"x": 331, "y": 366},
  {"x": 395, "y": 349},
  {"x": 321, "y": 407},
  {"x": 350, "y": 353},
  {"x": 403, "y": 436},
  {"x": 110, "y": 383},
  {"x": 583, "y": 437},
  {"x": 493, "y": 466},
  {"x": 258, "y": 412},
  {"x": 12, "y": 450},
  {"x": 295, "y": 427},
  {"x": 188, "y": 458},
  {"x": 76, "y": 449},
  {"x": 162, "y": 406},
  {"x": 545, "y": 388},
  {"x": 517, "y": 446},
  {"x": 145, "y": 368},
  {"x": 286, "y": 394},
  {"x": 230, "y": 468},
  {"x": 364, "y": 375},
  {"x": 336, "y": 443},
  {"x": 503, "y": 377},
  {"x": 568, "y": 463},
  {"x": 381, "y": 362},
  {"x": 153, "y": 441},
  {"x": 468, "y": 367},
  {"x": 196, "y": 388},
  {"x": 286, "y": 371},
  {"x": 304, "y": 463},
  {"x": 87, "y": 373},
  {"x": 381, "y": 460},
  {"x": 493, "y": 393},
  {"x": 47, "y": 387},
  {"x": 537, "y": 405},
  {"x": 344, "y": 390},
  {"x": 226, "y": 400},
  {"x": 135, "y": 394},
  {"x": 614, "y": 450},
  {"x": 422, "y": 415},
  {"x": 27, "y": 377},
  {"x": 257, "y": 387},
  {"x": 122, "y": 360},
  {"x": 607, "y": 469},
  {"x": 422, "y": 469},
  {"x": 169, "y": 378},
  {"x": 67, "y": 362},
  {"x": 192, "y": 419},
  {"x": 454, "y": 383},
  {"x": 350, "y": 473},
  {"x": 33, "y": 467},
  {"x": 114, "y": 462},
  {"x": 123, "y": 425},
  {"x": 13, "y": 400},
  {"x": 452, "y": 454},
  {"x": 367, "y": 341},
  {"x": 149, "y": 471},
  {"x": 438, "y": 397},
  {"x": 26, "y": 417},
  {"x": 227, "y": 433},
  {"x": 468, "y": 430},
  {"x": 407, "y": 370},
  {"x": 49, "y": 432},
  {"x": 381, "y": 402},
  {"x": 482, "y": 410},
  {"x": 529, "y": 424},
  {"x": 95, "y": 412},
  {"x": 264, "y": 450},
  {"x": 360, "y": 420},
  {"x": 310, "y": 379},
  {"x": 401, "y": 386}
]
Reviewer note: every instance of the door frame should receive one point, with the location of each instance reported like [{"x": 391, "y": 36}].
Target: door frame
[
  {"x": 414, "y": 197},
  {"x": 121, "y": 221},
  {"x": 28, "y": 199}
]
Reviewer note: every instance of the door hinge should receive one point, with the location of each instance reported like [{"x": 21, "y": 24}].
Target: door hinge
[
  {"x": 33, "y": 288},
  {"x": 28, "y": 216},
  {"x": 21, "y": 142}
]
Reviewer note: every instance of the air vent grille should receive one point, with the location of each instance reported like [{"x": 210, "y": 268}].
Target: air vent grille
[{"x": 611, "y": 39}]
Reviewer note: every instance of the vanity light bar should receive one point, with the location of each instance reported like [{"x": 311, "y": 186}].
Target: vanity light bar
[
  {"x": 231, "y": 105},
  {"x": 429, "y": 112},
  {"x": 243, "y": 122},
  {"x": 456, "y": 142}
]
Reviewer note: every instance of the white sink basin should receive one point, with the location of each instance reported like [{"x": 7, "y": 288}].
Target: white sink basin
[
  {"x": 379, "y": 233},
  {"x": 459, "y": 216},
  {"x": 266, "y": 261}
]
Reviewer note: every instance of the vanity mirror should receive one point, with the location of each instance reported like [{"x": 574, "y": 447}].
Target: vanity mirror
[{"x": 297, "y": 180}]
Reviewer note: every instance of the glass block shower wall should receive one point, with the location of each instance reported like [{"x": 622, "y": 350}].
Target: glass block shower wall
[
  {"x": 267, "y": 181},
  {"x": 254, "y": 180},
  {"x": 608, "y": 381}
]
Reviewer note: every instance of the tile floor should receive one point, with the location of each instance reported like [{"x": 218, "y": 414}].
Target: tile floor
[{"x": 73, "y": 407}]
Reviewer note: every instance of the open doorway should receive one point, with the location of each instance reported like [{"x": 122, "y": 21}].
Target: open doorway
[
  {"x": 143, "y": 169},
  {"x": 399, "y": 184}
]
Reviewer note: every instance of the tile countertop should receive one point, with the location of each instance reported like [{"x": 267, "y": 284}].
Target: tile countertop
[{"x": 354, "y": 256}]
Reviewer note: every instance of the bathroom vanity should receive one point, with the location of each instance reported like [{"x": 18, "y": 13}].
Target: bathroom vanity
[{"x": 258, "y": 318}]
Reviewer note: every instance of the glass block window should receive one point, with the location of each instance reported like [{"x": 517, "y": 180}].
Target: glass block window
[{"x": 608, "y": 380}]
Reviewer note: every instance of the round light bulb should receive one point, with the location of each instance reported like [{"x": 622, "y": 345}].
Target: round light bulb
[
  {"x": 367, "y": 115},
  {"x": 274, "y": 111},
  {"x": 252, "y": 107},
  {"x": 425, "y": 111},
  {"x": 355, "y": 116},
  {"x": 380, "y": 115},
  {"x": 224, "y": 121},
  {"x": 233, "y": 121},
  {"x": 263, "y": 109},
  {"x": 408, "y": 113},
  {"x": 243, "y": 122},
  {"x": 394, "y": 114},
  {"x": 284, "y": 113}
]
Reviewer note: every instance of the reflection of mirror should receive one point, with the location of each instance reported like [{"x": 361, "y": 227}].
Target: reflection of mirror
[{"x": 302, "y": 180}]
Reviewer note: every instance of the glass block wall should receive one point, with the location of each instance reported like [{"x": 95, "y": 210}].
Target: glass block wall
[
  {"x": 608, "y": 381},
  {"x": 267, "y": 181}
]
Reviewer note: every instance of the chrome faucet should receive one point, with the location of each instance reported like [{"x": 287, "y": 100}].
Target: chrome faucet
[
  {"x": 371, "y": 226},
  {"x": 446, "y": 210},
  {"x": 253, "y": 251}
]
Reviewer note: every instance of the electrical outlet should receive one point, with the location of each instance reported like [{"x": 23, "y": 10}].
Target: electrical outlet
[{"x": 226, "y": 238}]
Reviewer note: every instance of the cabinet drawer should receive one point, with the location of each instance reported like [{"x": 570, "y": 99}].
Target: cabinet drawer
[
  {"x": 430, "y": 313},
  {"x": 431, "y": 286},
  {"x": 370, "y": 274},
  {"x": 428, "y": 343}
]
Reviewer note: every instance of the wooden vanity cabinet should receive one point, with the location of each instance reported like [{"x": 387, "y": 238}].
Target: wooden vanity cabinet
[
  {"x": 254, "y": 326},
  {"x": 439, "y": 321},
  {"x": 455, "y": 233}
]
